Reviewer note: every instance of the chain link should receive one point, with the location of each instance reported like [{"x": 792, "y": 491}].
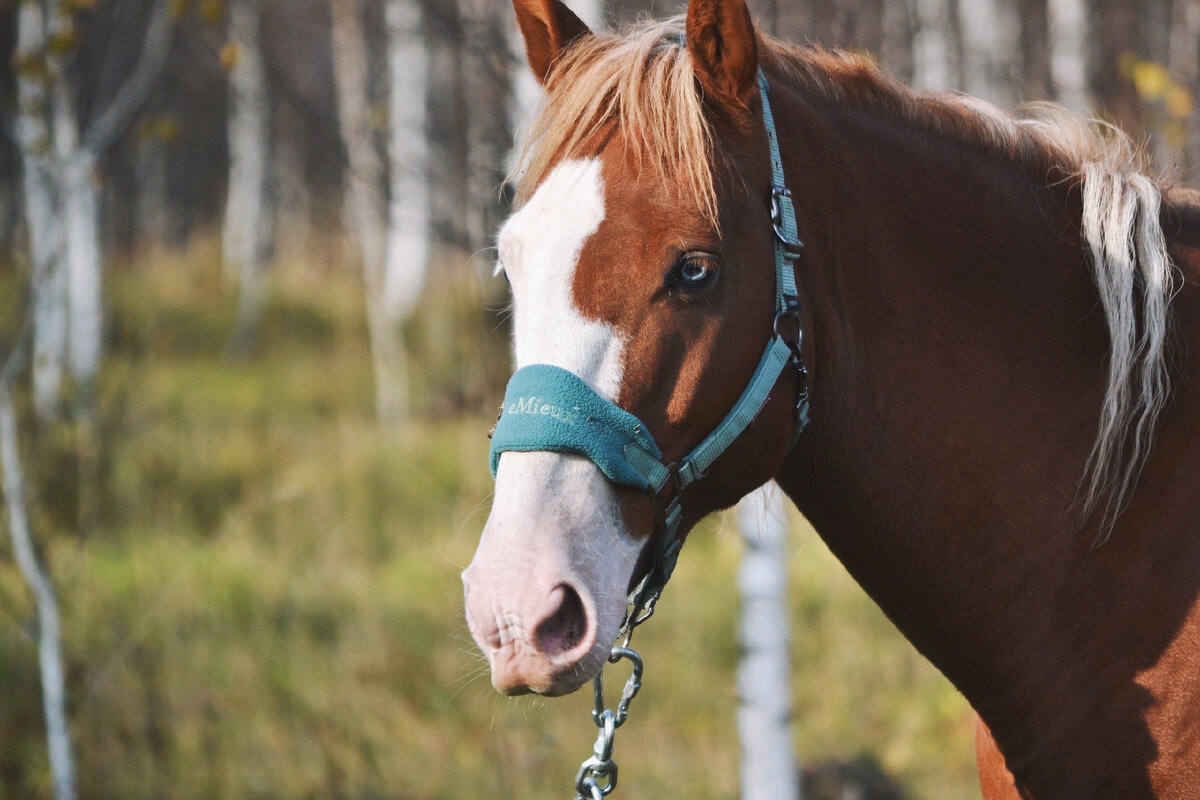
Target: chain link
[{"x": 597, "y": 776}]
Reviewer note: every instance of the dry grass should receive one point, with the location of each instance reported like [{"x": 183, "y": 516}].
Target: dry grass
[{"x": 262, "y": 599}]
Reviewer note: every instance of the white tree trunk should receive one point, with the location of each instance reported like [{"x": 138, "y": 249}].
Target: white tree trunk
[
  {"x": 590, "y": 11},
  {"x": 365, "y": 207},
  {"x": 61, "y": 193},
  {"x": 42, "y": 217},
  {"x": 78, "y": 209},
  {"x": 81, "y": 217},
  {"x": 934, "y": 59},
  {"x": 49, "y": 291},
  {"x": 769, "y": 769},
  {"x": 409, "y": 238},
  {"x": 62, "y": 214},
  {"x": 992, "y": 50},
  {"x": 58, "y": 737},
  {"x": 242, "y": 232},
  {"x": 1068, "y": 59}
]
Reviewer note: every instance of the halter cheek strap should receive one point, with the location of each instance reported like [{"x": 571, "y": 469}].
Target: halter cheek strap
[{"x": 547, "y": 408}]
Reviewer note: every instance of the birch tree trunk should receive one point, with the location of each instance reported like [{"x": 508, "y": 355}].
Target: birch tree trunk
[
  {"x": 77, "y": 213},
  {"x": 365, "y": 207},
  {"x": 81, "y": 216},
  {"x": 768, "y": 769},
  {"x": 35, "y": 141},
  {"x": 938, "y": 54},
  {"x": 61, "y": 191},
  {"x": 58, "y": 739},
  {"x": 591, "y": 12},
  {"x": 62, "y": 216},
  {"x": 991, "y": 49},
  {"x": 1068, "y": 53},
  {"x": 409, "y": 245},
  {"x": 77, "y": 210},
  {"x": 242, "y": 232}
]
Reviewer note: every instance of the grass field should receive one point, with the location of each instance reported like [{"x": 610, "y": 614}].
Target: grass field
[{"x": 261, "y": 598}]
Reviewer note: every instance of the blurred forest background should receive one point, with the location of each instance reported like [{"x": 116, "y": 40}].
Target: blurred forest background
[{"x": 249, "y": 348}]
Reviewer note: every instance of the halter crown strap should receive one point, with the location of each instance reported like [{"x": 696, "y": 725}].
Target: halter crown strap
[{"x": 547, "y": 408}]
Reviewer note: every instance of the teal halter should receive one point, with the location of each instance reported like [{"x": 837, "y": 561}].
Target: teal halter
[{"x": 547, "y": 408}]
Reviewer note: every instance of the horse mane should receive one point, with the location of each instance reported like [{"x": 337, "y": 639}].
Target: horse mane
[{"x": 642, "y": 79}]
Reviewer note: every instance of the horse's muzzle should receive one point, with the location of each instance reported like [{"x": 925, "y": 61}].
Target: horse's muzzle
[{"x": 543, "y": 641}]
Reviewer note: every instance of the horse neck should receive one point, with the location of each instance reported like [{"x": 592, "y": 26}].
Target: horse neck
[
  {"x": 952, "y": 322},
  {"x": 958, "y": 365}
]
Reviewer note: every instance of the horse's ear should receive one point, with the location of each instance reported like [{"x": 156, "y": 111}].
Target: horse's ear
[
  {"x": 549, "y": 28},
  {"x": 724, "y": 50}
]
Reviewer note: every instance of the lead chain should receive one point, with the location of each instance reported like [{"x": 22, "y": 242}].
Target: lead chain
[{"x": 597, "y": 776}]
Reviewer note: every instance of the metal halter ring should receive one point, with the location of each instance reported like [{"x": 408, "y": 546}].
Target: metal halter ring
[{"x": 790, "y": 313}]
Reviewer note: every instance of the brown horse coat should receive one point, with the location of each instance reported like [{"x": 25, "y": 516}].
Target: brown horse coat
[{"x": 985, "y": 302}]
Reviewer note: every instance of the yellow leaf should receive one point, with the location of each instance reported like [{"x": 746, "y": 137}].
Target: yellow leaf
[
  {"x": 211, "y": 11},
  {"x": 230, "y": 54},
  {"x": 1151, "y": 80},
  {"x": 1178, "y": 102},
  {"x": 63, "y": 43}
]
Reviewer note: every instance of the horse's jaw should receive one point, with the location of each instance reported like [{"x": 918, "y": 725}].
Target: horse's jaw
[{"x": 545, "y": 592}]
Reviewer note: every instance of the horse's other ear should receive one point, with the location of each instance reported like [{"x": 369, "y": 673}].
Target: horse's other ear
[
  {"x": 724, "y": 50},
  {"x": 549, "y": 28}
]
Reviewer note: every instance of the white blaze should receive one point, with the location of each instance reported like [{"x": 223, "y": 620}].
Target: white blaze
[
  {"x": 539, "y": 250},
  {"x": 556, "y": 520}
]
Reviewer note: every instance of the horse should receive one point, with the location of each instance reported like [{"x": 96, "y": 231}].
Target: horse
[{"x": 990, "y": 331}]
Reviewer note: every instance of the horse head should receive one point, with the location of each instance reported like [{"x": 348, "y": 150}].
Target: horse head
[{"x": 640, "y": 261}]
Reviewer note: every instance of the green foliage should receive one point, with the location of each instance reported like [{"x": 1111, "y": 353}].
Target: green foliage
[{"x": 262, "y": 597}]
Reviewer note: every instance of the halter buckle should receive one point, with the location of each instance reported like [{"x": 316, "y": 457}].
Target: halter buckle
[
  {"x": 791, "y": 314},
  {"x": 668, "y": 509},
  {"x": 667, "y": 495},
  {"x": 781, "y": 204}
]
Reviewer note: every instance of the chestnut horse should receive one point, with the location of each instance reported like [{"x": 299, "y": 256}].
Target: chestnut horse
[{"x": 997, "y": 315}]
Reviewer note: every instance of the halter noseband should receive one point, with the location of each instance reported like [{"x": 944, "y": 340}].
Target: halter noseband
[{"x": 547, "y": 408}]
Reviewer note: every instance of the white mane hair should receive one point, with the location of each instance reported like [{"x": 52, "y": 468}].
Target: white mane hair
[{"x": 1122, "y": 230}]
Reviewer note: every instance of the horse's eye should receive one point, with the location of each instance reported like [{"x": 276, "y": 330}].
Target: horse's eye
[{"x": 692, "y": 273}]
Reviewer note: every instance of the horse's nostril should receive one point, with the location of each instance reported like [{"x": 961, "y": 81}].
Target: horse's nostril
[{"x": 565, "y": 625}]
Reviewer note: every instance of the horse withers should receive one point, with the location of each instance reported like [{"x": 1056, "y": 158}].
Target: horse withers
[{"x": 997, "y": 313}]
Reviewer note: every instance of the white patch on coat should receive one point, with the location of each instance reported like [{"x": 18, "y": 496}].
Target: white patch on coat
[
  {"x": 539, "y": 251},
  {"x": 556, "y": 519}
]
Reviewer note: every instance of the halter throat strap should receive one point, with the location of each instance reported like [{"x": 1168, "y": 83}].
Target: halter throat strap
[{"x": 547, "y": 408}]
